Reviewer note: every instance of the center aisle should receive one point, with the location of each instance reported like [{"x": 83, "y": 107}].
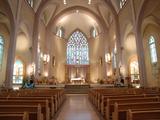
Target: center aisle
[{"x": 77, "y": 107}]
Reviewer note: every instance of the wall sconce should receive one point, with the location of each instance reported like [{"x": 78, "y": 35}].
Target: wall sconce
[
  {"x": 109, "y": 73},
  {"x": 107, "y": 58},
  {"x": 45, "y": 74},
  {"x": 46, "y": 58}
]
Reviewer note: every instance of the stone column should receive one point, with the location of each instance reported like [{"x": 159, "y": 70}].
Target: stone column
[
  {"x": 140, "y": 50},
  {"x": 118, "y": 45},
  {"x": 11, "y": 57},
  {"x": 49, "y": 45},
  {"x": 35, "y": 43},
  {"x": 12, "y": 47}
]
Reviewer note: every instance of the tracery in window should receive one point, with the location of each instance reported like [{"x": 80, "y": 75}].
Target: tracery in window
[
  {"x": 18, "y": 72},
  {"x": 77, "y": 49},
  {"x": 1, "y": 50},
  {"x": 152, "y": 48}
]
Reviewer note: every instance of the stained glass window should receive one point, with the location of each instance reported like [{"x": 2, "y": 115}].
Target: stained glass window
[
  {"x": 18, "y": 72},
  {"x": 152, "y": 47},
  {"x": 77, "y": 49},
  {"x": 1, "y": 50}
]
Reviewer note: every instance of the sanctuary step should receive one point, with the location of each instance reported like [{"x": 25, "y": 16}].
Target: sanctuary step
[{"x": 77, "y": 88}]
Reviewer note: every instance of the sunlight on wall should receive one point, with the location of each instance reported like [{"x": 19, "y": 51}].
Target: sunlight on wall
[{"x": 22, "y": 43}]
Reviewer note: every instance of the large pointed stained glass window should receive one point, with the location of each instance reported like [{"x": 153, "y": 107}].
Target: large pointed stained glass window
[{"x": 77, "y": 49}]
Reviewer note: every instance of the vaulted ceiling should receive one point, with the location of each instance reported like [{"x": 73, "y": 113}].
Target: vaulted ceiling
[{"x": 76, "y": 14}]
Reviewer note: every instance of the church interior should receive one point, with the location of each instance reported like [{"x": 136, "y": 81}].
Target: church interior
[{"x": 80, "y": 59}]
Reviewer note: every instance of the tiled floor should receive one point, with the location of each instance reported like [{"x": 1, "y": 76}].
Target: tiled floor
[{"x": 77, "y": 107}]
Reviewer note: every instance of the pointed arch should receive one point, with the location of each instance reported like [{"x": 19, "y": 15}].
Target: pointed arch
[{"x": 77, "y": 48}]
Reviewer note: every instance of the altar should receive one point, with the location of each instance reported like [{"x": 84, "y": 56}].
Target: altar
[
  {"x": 77, "y": 74},
  {"x": 77, "y": 80}
]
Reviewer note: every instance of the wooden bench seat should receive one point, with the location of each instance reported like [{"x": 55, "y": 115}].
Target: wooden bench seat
[
  {"x": 14, "y": 116},
  {"x": 32, "y": 115},
  {"x": 96, "y": 94},
  {"x": 105, "y": 98},
  {"x": 51, "y": 101},
  {"x": 34, "y": 109},
  {"x": 55, "y": 97},
  {"x": 44, "y": 105},
  {"x": 148, "y": 114},
  {"x": 120, "y": 110},
  {"x": 110, "y": 103}
]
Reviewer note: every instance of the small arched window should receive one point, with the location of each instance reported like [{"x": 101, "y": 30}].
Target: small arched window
[
  {"x": 122, "y": 3},
  {"x": 152, "y": 49},
  {"x": 94, "y": 32},
  {"x": 1, "y": 50},
  {"x": 30, "y": 2},
  {"x": 18, "y": 72},
  {"x": 60, "y": 32}
]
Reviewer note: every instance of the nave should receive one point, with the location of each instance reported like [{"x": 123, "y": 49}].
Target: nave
[{"x": 77, "y": 107}]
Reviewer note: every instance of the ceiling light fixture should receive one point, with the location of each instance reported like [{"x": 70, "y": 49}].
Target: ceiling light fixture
[
  {"x": 89, "y": 2},
  {"x": 65, "y": 2}
]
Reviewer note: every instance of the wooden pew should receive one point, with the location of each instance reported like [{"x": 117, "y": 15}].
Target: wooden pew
[
  {"x": 32, "y": 115},
  {"x": 14, "y": 116},
  {"x": 110, "y": 103},
  {"x": 143, "y": 114},
  {"x": 28, "y": 98},
  {"x": 44, "y": 105},
  {"x": 99, "y": 97},
  {"x": 120, "y": 110},
  {"x": 102, "y": 104},
  {"x": 95, "y": 95},
  {"x": 23, "y": 108},
  {"x": 55, "y": 96}
]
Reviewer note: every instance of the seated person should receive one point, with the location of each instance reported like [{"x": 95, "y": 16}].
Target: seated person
[{"x": 29, "y": 84}]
